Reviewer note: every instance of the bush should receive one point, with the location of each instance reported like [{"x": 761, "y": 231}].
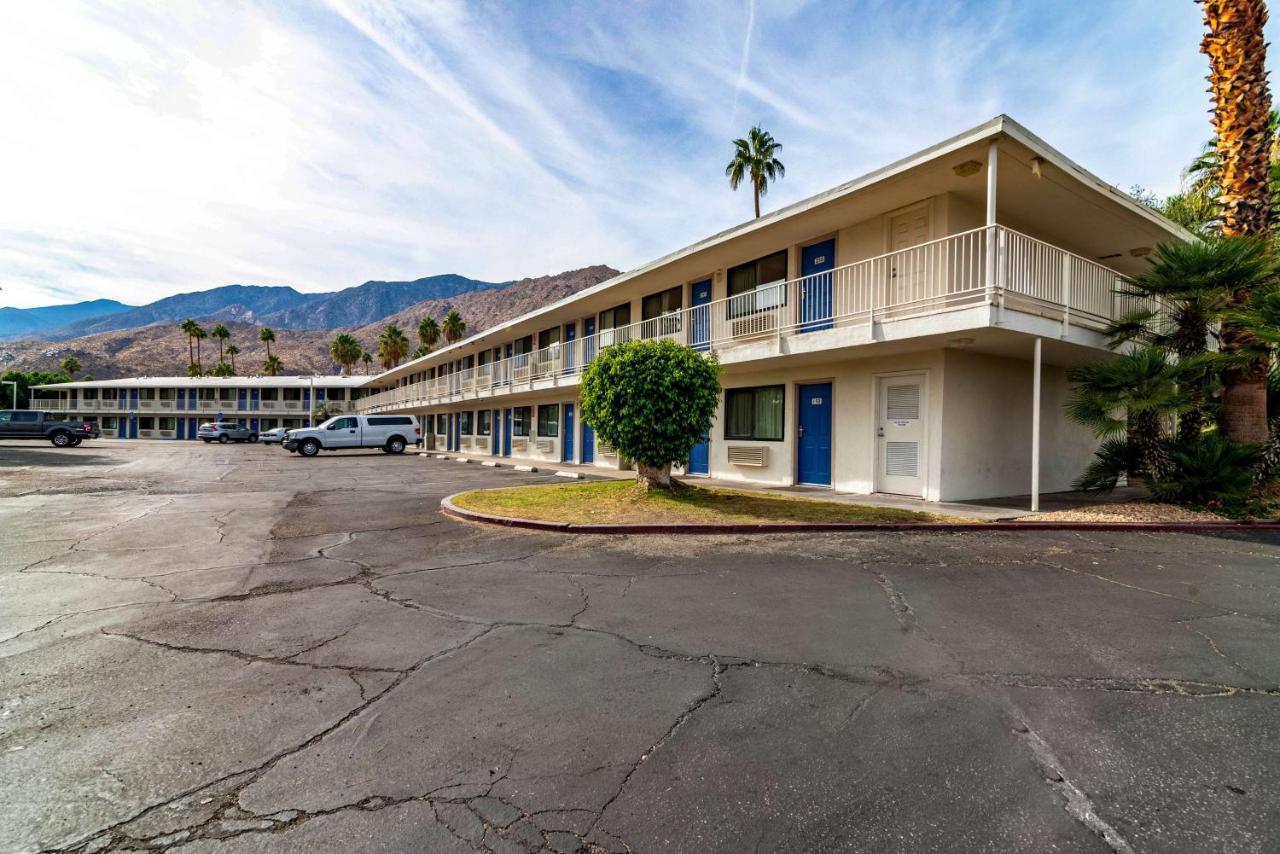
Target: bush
[
  {"x": 652, "y": 401},
  {"x": 1213, "y": 469}
]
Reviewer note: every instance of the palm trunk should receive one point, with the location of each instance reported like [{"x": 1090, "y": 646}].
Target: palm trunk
[
  {"x": 191, "y": 353},
  {"x": 1237, "y": 51},
  {"x": 199, "y": 362},
  {"x": 755, "y": 185}
]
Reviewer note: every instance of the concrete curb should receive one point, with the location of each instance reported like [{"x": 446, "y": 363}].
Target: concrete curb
[{"x": 451, "y": 509}]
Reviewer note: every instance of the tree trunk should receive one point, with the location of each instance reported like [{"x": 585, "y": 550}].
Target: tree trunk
[
  {"x": 650, "y": 477},
  {"x": 755, "y": 185},
  {"x": 191, "y": 352},
  {"x": 1237, "y": 52}
]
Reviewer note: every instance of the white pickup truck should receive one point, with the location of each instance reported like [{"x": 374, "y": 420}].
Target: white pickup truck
[{"x": 391, "y": 433}]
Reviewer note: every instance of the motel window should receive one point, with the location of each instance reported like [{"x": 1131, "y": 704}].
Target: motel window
[
  {"x": 549, "y": 420},
  {"x": 523, "y": 345},
  {"x": 292, "y": 393},
  {"x": 168, "y": 423},
  {"x": 468, "y": 362},
  {"x": 226, "y": 394},
  {"x": 146, "y": 422},
  {"x": 520, "y": 418},
  {"x": 334, "y": 394},
  {"x": 484, "y": 357},
  {"x": 754, "y": 413},
  {"x": 109, "y": 422},
  {"x": 464, "y": 423},
  {"x": 168, "y": 394},
  {"x": 548, "y": 337},
  {"x": 754, "y": 286},
  {"x": 661, "y": 311},
  {"x": 148, "y": 394},
  {"x": 110, "y": 394},
  {"x": 90, "y": 394},
  {"x": 271, "y": 394},
  {"x": 613, "y": 318},
  {"x": 484, "y": 422}
]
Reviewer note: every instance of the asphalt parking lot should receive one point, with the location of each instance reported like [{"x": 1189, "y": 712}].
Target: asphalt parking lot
[{"x": 208, "y": 649}]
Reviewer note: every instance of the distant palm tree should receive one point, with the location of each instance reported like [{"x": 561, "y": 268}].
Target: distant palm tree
[
  {"x": 346, "y": 351},
  {"x": 71, "y": 365},
  {"x": 423, "y": 350},
  {"x": 232, "y": 350},
  {"x": 267, "y": 335},
  {"x": 222, "y": 333},
  {"x": 367, "y": 358},
  {"x": 454, "y": 327},
  {"x": 272, "y": 366},
  {"x": 199, "y": 334},
  {"x": 189, "y": 326},
  {"x": 392, "y": 346},
  {"x": 429, "y": 332},
  {"x": 755, "y": 158}
]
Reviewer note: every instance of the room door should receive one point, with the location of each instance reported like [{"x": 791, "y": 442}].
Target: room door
[
  {"x": 907, "y": 270},
  {"x": 588, "y": 444},
  {"x": 506, "y": 432},
  {"x": 700, "y": 457},
  {"x": 700, "y": 315},
  {"x": 900, "y": 435},
  {"x": 817, "y": 306},
  {"x": 567, "y": 430},
  {"x": 813, "y": 465}
]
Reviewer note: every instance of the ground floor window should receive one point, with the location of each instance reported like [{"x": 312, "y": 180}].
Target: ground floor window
[
  {"x": 549, "y": 420},
  {"x": 428, "y": 424},
  {"x": 464, "y": 423},
  {"x": 146, "y": 422},
  {"x": 754, "y": 413},
  {"x": 521, "y": 416},
  {"x": 109, "y": 422},
  {"x": 167, "y": 423},
  {"x": 484, "y": 422}
]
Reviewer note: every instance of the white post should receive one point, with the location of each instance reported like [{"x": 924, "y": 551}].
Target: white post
[
  {"x": 311, "y": 408},
  {"x": 1066, "y": 294},
  {"x": 993, "y": 163},
  {"x": 1035, "y": 432}
]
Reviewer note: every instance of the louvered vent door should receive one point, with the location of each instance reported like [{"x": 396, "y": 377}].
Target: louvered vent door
[{"x": 900, "y": 436}]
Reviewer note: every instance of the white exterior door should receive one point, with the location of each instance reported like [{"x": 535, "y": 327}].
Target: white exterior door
[
  {"x": 908, "y": 270},
  {"x": 900, "y": 435}
]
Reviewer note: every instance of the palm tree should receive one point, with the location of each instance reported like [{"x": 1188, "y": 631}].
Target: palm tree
[
  {"x": 71, "y": 365},
  {"x": 454, "y": 327},
  {"x": 189, "y": 326},
  {"x": 392, "y": 346},
  {"x": 423, "y": 350},
  {"x": 756, "y": 158},
  {"x": 222, "y": 333},
  {"x": 1237, "y": 49},
  {"x": 199, "y": 334},
  {"x": 367, "y": 358},
  {"x": 429, "y": 332},
  {"x": 346, "y": 351},
  {"x": 267, "y": 336},
  {"x": 1193, "y": 284},
  {"x": 272, "y": 366},
  {"x": 232, "y": 350}
]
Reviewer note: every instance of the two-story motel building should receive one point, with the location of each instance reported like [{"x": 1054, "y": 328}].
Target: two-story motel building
[
  {"x": 173, "y": 407},
  {"x": 907, "y": 332}
]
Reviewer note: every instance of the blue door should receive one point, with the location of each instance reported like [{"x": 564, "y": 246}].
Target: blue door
[
  {"x": 122, "y": 424},
  {"x": 191, "y": 428},
  {"x": 566, "y": 452},
  {"x": 133, "y": 425},
  {"x": 588, "y": 444},
  {"x": 240, "y": 395},
  {"x": 700, "y": 457},
  {"x": 816, "y": 305},
  {"x": 182, "y": 424},
  {"x": 451, "y": 442},
  {"x": 570, "y": 333},
  {"x": 495, "y": 444},
  {"x": 814, "y": 466},
  {"x": 254, "y": 397},
  {"x": 700, "y": 315},
  {"x": 506, "y": 432},
  {"x": 589, "y": 345}
]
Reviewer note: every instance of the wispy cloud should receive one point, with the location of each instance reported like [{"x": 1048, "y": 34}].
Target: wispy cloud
[{"x": 155, "y": 148}]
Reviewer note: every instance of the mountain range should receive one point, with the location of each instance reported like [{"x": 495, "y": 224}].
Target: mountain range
[
  {"x": 156, "y": 347},
  {"x": 19, "y": 322}
]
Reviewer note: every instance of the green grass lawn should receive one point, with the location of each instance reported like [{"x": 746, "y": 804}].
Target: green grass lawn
[{"x": 623, "y": 502}]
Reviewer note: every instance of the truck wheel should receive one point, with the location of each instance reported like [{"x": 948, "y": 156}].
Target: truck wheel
[
  {"x": 253, "y": 437},
  {"x": 395, "y": 445},
  {"x": 223, "y": 439},
  {"x": 309, "y": 447},
  {"x": 61, "y": 439},
  {"x": 206, "y": 441},
  {"x": 75, "y": 443}
]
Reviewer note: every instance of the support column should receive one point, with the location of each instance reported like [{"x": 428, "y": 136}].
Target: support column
[
  {"x": 1035, "y": 431},
  {"x": 993, "y": 164}
]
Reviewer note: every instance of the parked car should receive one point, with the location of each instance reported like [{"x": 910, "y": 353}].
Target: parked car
[
  {"x": 226, "y": 431},
  {"x": 391, "y": 433},
  {"x": 31, "y": 424},
  {"x": 274, "y": 436}
]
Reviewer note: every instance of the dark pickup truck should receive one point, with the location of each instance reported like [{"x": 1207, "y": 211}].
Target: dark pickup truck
[{"x": 31, "y": 424}]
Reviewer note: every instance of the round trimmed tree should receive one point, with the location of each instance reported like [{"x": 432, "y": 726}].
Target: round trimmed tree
[{"x": 652, "y": 401}]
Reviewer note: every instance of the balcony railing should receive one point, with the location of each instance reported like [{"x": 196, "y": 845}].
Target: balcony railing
[{"x": 986, "y": 266}]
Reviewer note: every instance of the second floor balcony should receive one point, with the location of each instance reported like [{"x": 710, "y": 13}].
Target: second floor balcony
[{"x": 992, "y": 267}]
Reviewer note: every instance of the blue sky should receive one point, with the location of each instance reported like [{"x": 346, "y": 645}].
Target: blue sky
[{"x": 154, "y": 148}]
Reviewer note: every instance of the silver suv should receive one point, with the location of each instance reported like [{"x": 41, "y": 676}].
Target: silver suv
[{"x": 226, "y": 431}]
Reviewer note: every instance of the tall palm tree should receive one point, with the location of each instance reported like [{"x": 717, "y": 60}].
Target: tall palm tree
[
  {"x": 272, "y": 366},
  {"x": 454, "y": 327},
  {"x": 232, "y": 350},
  {"x": 199, "y": 334},
  {"x": 222, "y": 333},
  {"x": 189, "y": 326},
  {"x": 367, "y": 358},
  {"x": 1193, "y": 282},
  {"x": 755, "y": 158},
  {"x": 267, "y": 336},
  {"x": 71, "y": 365},
  {"x": 1237, "y": 51},
  {"x": 346, "y": 351},
  {"x": 392, "y": 346},
  {"x": 429, "y": 332}
]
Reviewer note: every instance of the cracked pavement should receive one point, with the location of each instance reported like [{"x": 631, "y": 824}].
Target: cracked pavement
[{"x": 232, "y": 649}]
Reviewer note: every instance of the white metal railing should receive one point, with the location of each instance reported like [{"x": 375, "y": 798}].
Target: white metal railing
[{"x": 985, "y": 266}]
